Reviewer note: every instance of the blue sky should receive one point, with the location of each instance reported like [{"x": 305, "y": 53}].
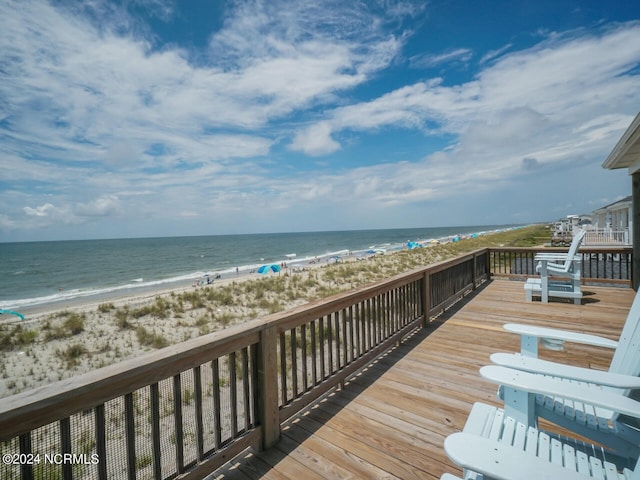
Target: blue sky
[{"x": 153, "y": 118}]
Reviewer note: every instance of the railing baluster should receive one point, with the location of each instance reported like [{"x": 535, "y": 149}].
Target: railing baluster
[
  {"x": 294, "y": 362},
  {"x": 177, "y": 420},
  {"x": 303, "y": 355},
  {"x": 402, "y": 297},
  {"x": 130, "y": 433},
  {"x": 387, "y": 315},
  {"x": 336, "y": 318},
  {"x": 322, "y": 347},
  {"x": 26, "y": 468},
  {"x": 283, "y": 368},
  {"x": 154, "y": 393},
  {"x": 245, "y": 389},
  {"x": 367, "y": 324},
  {"x": 233, "y": 387},
  {"x": 254, "y": 362},
  {"x": 65, "y": 447},
  {"x": 330, "y": 342},
  {"x": 101, "y": 441},
  {"x": 353, "y": 333},
  {"x": 215, "y": 373},
  {"x": 377, "y": 319},
  {"x": 362, "y": 338},
  {"x": 197, "y": 387},
  {"x": 314, "y": 353},
  {"x": 405, "y": 305},
  {"x": 345, "y": 339}
]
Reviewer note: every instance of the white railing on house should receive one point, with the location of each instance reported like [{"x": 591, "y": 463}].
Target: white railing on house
[{"x": 606, "y": 236}]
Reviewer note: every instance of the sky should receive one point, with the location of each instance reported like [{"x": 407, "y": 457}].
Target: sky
[{"x": 144, "y": 118}]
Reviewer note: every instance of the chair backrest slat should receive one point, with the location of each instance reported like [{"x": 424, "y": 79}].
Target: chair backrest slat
[
  {"x": 626, "y": 359},
  {"x": 575, "y": 243}
]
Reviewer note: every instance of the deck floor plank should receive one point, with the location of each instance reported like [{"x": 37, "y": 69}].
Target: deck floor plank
[{"x": 392, "y": 417}]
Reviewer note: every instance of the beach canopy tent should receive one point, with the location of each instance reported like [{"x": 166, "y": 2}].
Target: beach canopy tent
[
  {"x": 626, "y": 154},
  {"x": 269, "y": 268}
]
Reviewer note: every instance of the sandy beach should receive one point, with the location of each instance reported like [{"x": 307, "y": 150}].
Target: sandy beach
[{"x": 62, "y": 340}]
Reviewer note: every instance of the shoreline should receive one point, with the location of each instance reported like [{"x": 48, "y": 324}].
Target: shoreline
[
  {"x": 136, "y": 295},
  {"x": 32, "y": 285}
]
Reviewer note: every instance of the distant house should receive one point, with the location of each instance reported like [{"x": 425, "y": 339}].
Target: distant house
[
  {"x": 614, "y": 217},
  {"x": 563, "y": 229}
]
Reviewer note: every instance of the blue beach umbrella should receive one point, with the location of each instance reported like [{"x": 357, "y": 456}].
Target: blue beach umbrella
[
  {"x": 266, "y": 268},
  {"x": 11, "y": 312}
]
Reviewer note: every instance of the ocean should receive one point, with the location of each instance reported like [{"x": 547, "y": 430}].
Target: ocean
[{"x": 39, "y": 273}]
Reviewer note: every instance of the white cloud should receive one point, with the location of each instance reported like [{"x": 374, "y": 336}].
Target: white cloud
[
  {"x": 67, "y": 80},
  {"x": 315, "y": 140},
  {"x": 41, "y": 211},
  {"x": 459, "y": 55},
  {"x": 563, "y": 101},
  {"x": 102, "y": 206}
]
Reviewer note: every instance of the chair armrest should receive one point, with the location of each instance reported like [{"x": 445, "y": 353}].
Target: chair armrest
[
  {"x": 448, "y": 476},
  {"x": 501, "y": 461},
  {"x": 544, "y": 367},
  {"x": 565, "y": 335},
  {"x": 538, "y": 384},
  {"x": 550, "y": 256}
]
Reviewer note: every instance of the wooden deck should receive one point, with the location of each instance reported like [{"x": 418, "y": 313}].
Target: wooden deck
[{"x": 391, "y": 419}]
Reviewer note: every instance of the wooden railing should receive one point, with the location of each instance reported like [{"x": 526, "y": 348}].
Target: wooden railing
[
  {"x": 606, "y": 236},
  {"x": 599, "y": 265},
  {"x": 185, "y": 410}
]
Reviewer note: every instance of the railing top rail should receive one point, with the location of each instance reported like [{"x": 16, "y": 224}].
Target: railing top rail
[{"x": 582, "y": 249}]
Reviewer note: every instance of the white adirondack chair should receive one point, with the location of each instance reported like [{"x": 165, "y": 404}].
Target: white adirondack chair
[
  {"x": 600, "y": 424},
  {"x": 565, "y": 265},
  {"x": 559, "y": 258},
  {"x": 499, "y": 444}
]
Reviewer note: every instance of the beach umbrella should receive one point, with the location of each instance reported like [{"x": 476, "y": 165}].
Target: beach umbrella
[
  {"x": 11, "y": 312},
  {"x": 266, "y": 268}
]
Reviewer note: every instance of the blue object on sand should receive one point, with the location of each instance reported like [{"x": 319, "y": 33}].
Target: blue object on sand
[
  {"x": 11, "y": 312},
  {"x": 267, "y": 268}
]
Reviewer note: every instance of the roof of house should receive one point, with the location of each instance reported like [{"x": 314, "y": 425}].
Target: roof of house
[
  {"x": 626, "y": 153},
  {"x": 620, "y": 202}
]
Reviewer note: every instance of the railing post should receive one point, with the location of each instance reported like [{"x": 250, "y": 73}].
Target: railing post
[
  {"x": 269, "y": 413},
  {"x": 426, "y": 298},
  {"x": 474, "y": 269}
]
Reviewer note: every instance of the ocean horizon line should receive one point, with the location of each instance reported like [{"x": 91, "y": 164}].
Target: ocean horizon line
[{"x": 293, "y": 232}]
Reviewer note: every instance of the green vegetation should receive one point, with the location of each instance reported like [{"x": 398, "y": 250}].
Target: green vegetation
[
  {"x": 148, "y": 338},
  {"x": 73, "y": 324},
  {"x": 72, "y": 354},
  {"x": 122, "y": 319},
  {"x": 16, "y": 336},
  {"x": 106, "y": 307}
]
